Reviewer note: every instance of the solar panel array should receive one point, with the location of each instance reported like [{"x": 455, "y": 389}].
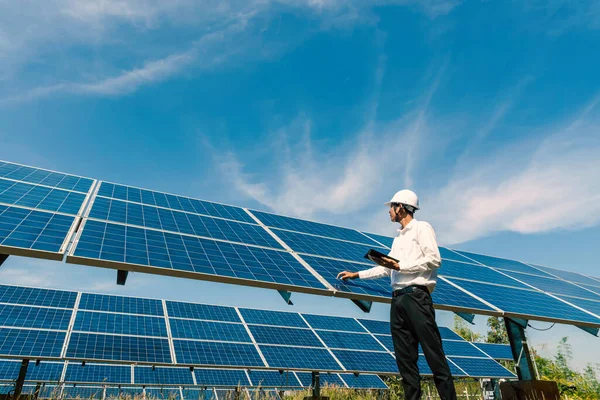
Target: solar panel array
[
  {"x": 38, "y": 210},
  {"x": 55, "y": 325},
  {"x": 148, "y": 231}
]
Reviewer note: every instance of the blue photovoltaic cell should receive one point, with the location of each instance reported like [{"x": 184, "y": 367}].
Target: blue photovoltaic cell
[
  {"x": 162, "y": 393},
  {"x": 181, "y": 222},
  {"x": 118, "y": 348},
  {"x": 447, "y": 294},
  {"x": 367, "y": 361},
  {"x": 40, "y": 197},
  {"x": 163, "y": 376},
  {"x": 289, "y": 336},
  {"x": 44, "y": 372},
  {"x": 33, "y": 343},
  {"x": 37, "y": 297},
  {"x": 216, "y": 353},
  {"x": 36, "y": 230},
  {"x": 453, "y": 368},
  {"x": 448, "y": 254},
  {"x": 347, "y": 340},
  {"x": 373, "y": 326},
  {"x": 462, "y": 348},
  {"x": 266, "y": 317},
  {"x": 174, "y": 202},
  {"x": 199, "y": 394},
  {"x": 333, "y": 323},
  {"x": 324, "y": 379},
  {"x": 503, "y": 263},
  {"x": 120, "y": 304},
  {"x": 202, "y": 311},
  {"x": 79, "y": 392},
  {"x": 566, "y": 275},
  {"x": 555, "y": 286},
  {"x": 363, "y": 381},
  {"x": 220, "y": 377},
  {"x": 496, "y": 351},
  {"x": 329, "y": 269},
  {"x": 126, "y": 244},
  {"x": 386, "y": 340},
  {"x": 319, "y": 246},
  {"x": 9, "y": 370},
  {"x": 44, "y": 177},
  {"x": 476, "y": 273},
  {"x": 98, "y": 373},
  {"x": 285, "y": 357},
  {"x": 384, "y": 240},
  {"x": 527, "y": 302},
  {"x": 447, "y": 333},
  {"x": 595, "y": 289},
  {"x": 123, "y": 393},
  {"x": 482, "y": 367},
  {"x": 274, "y": 378},
  {"x": 588, "y": 305},
  {"x": 34, "y": 317},
  {"x": 126, "y": 324},
  {"x": 314, "y": 228},
  {"x": 208, "y": 330}
]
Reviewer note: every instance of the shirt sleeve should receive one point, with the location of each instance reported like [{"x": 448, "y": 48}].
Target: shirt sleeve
[
  {"x": 374, "y": 273},
  {"x": 431, "y": 253}
]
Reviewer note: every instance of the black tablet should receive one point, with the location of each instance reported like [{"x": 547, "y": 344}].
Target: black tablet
[{"x": 375, "y": 255}]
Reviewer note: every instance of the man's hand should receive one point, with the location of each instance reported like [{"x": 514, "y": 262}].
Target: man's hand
[
  {"x": 345, "y": 275},
  {"x": 389, "y": 263}
]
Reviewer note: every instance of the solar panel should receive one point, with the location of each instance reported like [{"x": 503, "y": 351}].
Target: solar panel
[
  {"x": 180, "y": 222},
  {"x": 267, "y": 317},
  {"x": 367, "y": 361},
  {"x": 40, "y": 197},
  {"x": 447, "y": 333},
  {"x": 482, "y": 367},
  {"x": 216, "y": 353},
  {"x": 383, "y": 240},
  {"x": 502, "y": 263},
  {"x": 162, "y": 376},
  {"x": 220, "y": 377},
  {"x": 454, "y": 369},
  {"x": 285, "y": 357},
  {"x": 79, "y": 392},
  {"x": 386, "y": 340},
  {"x": 589, "y": 305},
  {"x": 9, "y": 370},
  {"x": 31, "y": 343},
  {"x": 162, "y": 393},
  {"x": 165, "y": 200},
  {"x": 125, "y": 324},
  {"x": 461, "y": 348},
  {"x": 566, "y": 275},
  {"x": 120, "y": 304},
  {"x": 98, "y": 373},
  {"x": 363, "y": 381},
  {"x": 555, "y": 286},
  {"x": 285, "y": 379},
  {"x": 37, "y": 297},
  {"x": 347, "y": 340},
  {"x": 496, "y": 351},
  {"x": 208, "y": 330},
  {"x": 287, "y": 336},
  {"x": 34, "y": 317},
  {"x": 313, "y": 228},
  {"x": 525, "y": 303},
  {"x": 89, "y": 346},
  {"x": 202, "y": 311},
  {"x": 44, "y": 372},
  {"x": 199, "y": 394},
  {"x": 446, "y": 296},
  {"x": 325, "y": 379},
  {"x": 44, "y": 177},
  {"x": 333, "y": 323},
  {"x": 119, "y": 246},
  {"x": 453, "y": 269}
]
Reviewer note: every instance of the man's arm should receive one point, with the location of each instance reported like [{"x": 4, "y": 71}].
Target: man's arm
[
  {"x": 431, "y": 253},
  {"x": 371, "y": 273}
]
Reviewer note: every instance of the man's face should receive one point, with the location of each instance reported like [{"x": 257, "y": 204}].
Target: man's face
[{"x": 394, "y": 212}]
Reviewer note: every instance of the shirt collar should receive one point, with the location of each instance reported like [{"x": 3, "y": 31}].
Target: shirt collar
[{"x": 408, "y": 227}]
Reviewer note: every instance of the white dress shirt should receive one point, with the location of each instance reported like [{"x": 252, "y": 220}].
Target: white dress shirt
[{"x": 417, "y": 250}]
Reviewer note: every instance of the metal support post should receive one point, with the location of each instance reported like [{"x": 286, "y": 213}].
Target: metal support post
[
  {"x": 36, "y": 394},
  {"x": 520, "y": 350},
  {"x": 316, "y": 384},
  {"x": 122, "y": 277},
  {"x": 21, "y": 379}
]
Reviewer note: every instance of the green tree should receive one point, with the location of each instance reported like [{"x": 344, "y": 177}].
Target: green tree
[
  {"x": 497, "y": 331},
  {"x": 464, "y": 330}
]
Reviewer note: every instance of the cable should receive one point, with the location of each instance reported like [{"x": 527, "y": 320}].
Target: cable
[{"x": 541, "y": 330}]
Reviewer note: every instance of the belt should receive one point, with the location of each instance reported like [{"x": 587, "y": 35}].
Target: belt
[{"x": 409, "y": 289}]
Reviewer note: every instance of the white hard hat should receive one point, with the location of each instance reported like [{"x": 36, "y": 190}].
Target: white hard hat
[{"x": 407, "y": 197}]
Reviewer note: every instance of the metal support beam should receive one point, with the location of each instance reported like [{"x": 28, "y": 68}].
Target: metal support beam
[
  {"x": 591, "y": 331},
  {"x": 316, "y": 385},
  {"x": 21, "y": 379},
  {"x": 3, "y": 258},
  {"x": 466, "y": 316},
  {"x": 122, "y": 277},
  {"x": 364, "y": 305},
  {"x": 38, "y": 388},
  {"x": 287, "y": 296},
  {"x": 520, "y": 349}
]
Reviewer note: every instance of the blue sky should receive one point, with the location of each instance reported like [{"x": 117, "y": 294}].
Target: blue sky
[{"x": 320, "y": 109}]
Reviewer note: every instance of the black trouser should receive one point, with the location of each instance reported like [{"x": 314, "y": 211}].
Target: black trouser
[{"x": 412, "y": 321}]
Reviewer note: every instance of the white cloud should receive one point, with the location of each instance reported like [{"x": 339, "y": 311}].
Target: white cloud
[{"x": 525, "y": 188}]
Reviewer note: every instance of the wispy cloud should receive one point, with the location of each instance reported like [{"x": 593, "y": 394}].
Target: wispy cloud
[{"x": 526, "y": 187}]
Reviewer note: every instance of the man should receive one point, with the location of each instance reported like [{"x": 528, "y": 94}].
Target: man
[{"x": 413, "y": 278}]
